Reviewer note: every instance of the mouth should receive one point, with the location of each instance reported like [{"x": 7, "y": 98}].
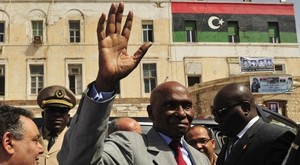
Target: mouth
[
  {"x": 56, "y": 121},
  {"x": 183, "y": 125}
]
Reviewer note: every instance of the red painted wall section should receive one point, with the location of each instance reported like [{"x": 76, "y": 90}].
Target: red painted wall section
[{"x": 232, "y": 8}]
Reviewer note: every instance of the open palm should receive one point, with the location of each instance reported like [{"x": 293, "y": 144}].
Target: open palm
[{"x": 114, "y": 61}]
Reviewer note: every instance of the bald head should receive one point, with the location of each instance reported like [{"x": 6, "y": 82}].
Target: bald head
[
  {"x": 171, "y": 109},
  {"x": 165, "y": 88},
  {"x": 233, "y": 108},
  {"x": 233, "y": 93},
  {"x": 124, "y": 124}
]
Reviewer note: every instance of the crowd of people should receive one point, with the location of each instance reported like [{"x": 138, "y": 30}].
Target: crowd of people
[{"x": 172, "y": 138}]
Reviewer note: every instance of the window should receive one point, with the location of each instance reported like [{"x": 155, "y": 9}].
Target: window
[
  {"x": 74, "y": 31},
  {"x": 2, "y": 30},
  {"x": 193, "y": 71},
  {"x": 2, "y": 80},
  {"x": 278, "y": 106},
  {"x": 190, "y": 31},
  {"x": 75, "y": 78},
  {"x": 148, "y": 32},
  {"x": 233, "y": 32},
  {"x": 36, "y": 78},
  {"x": 273, "y": 32},
  {"x": 37, "y": 28},
  {"x": 193, "y": 79},
  {"x": 149, "y": 74}
]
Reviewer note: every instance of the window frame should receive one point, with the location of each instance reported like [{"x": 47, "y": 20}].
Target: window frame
[
  {"x": 37, "y": 77},
  {"x": 76, "y": 37},
  {"x": 190, "y": 35},
  {"x": 2, "y": 74},
  {"x": 2, "y": 33},
  {"x": 151, "y": 78},
  {"x": 233, "y": 31},
  {"x": 37, "y": 31},
  {"x": 148, "y": 31},
  {"x": 273, "y": 32},
  {"x": 78, "y": 88}
]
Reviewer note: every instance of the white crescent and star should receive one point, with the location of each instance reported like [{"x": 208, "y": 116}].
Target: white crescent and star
[{"x": 219, "y": 24}]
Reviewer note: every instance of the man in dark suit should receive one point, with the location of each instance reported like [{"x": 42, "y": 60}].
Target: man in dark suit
[
  {"x": 250, "y": 140},
  {"x": 170, "y": 110}
]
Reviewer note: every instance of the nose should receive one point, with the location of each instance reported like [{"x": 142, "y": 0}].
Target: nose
[
  {"x": 180, "y": 111},
  {"x": 199, "y": 146},
  {"x": 41, "y": 148}
]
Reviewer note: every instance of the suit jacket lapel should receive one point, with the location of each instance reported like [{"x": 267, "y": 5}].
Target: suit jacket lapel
[
  {"x": 243, "y": 144},
  {"x": 156, "y": 145},
  {"x": 195, "y": 155},
  {"x": 221, "y": 156}
]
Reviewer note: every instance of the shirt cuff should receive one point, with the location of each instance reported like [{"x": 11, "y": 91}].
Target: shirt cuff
[{"x": 99, "y": 96}]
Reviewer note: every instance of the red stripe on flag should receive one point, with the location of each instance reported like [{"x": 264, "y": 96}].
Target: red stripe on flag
[{"x": 232, "y": 8}]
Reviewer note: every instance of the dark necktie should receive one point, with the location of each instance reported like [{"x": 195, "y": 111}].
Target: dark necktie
[
  {"x": 231, "y": 143},
  {"x": 51, "y": 140},
  {"x": 175, "y": 146}
]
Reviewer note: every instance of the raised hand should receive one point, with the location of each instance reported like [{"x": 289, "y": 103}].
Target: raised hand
[{"x": 114, "y": 61}]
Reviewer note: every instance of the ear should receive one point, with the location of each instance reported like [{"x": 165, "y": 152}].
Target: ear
[
  {"x": 149, "y": 110},
  {"x": 7, "y": 143},
  {"x": 213, "y": 142},
  {"x": 69, "y": 116}
]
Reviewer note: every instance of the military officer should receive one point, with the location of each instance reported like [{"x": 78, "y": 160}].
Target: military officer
[{"x": 56, "y": 102}]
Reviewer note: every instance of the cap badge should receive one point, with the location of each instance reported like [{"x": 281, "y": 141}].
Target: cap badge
[{"x": 59, "y": 93}]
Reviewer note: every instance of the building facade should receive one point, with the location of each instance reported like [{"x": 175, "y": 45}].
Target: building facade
[{"x": 52, "y": 42}]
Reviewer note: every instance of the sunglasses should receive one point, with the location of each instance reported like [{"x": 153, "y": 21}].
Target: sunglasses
[{"x": 222, "y": 111}]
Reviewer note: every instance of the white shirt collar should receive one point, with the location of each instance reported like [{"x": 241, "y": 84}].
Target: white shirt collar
[{"x": 250, "y": 123}]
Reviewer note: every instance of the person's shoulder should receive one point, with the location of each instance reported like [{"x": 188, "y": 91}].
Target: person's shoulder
[{"x": 276, "y": 130}]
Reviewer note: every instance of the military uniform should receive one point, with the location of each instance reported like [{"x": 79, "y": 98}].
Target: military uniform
[{"x": 56, "y": 97}]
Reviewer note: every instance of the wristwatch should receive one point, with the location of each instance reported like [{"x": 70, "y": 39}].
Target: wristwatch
[{"x": 295, "y": 146}]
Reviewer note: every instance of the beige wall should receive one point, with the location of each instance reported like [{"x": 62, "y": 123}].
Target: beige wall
[{"x": 56, "y": 52}]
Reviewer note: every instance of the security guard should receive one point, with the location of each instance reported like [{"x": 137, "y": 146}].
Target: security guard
[{"x": 56, "y": 102}]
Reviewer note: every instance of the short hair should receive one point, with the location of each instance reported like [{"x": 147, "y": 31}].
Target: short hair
[
  {"x": 9, "y": 120},
  {"x": 209, "y": 132}
]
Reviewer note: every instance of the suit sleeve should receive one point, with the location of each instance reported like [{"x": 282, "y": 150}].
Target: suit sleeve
[
  {"x": 280, "y": 148},
  {"x": 84, "y": 141}
]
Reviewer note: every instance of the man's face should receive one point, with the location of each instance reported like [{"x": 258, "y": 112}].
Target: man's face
[
  {"x": 198, "y": 138},
  {"x": 27, "y": 150},
  {"x": 56, "y": 118},
  {"x": 172, "y": 112},
  {"x": 229, "y": 116}
]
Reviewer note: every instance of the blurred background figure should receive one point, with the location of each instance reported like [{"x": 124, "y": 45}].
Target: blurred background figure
[
  {"x": 124, "y": 124},
  {"x": 20, "y": 138},
  {"x": 56, "y": 102},
  {"x": 255, "y": 85},
  {"x": 200, "y": 137}
]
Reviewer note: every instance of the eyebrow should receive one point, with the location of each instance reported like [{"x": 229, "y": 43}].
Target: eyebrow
[{"x": 37, "y": 136}]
